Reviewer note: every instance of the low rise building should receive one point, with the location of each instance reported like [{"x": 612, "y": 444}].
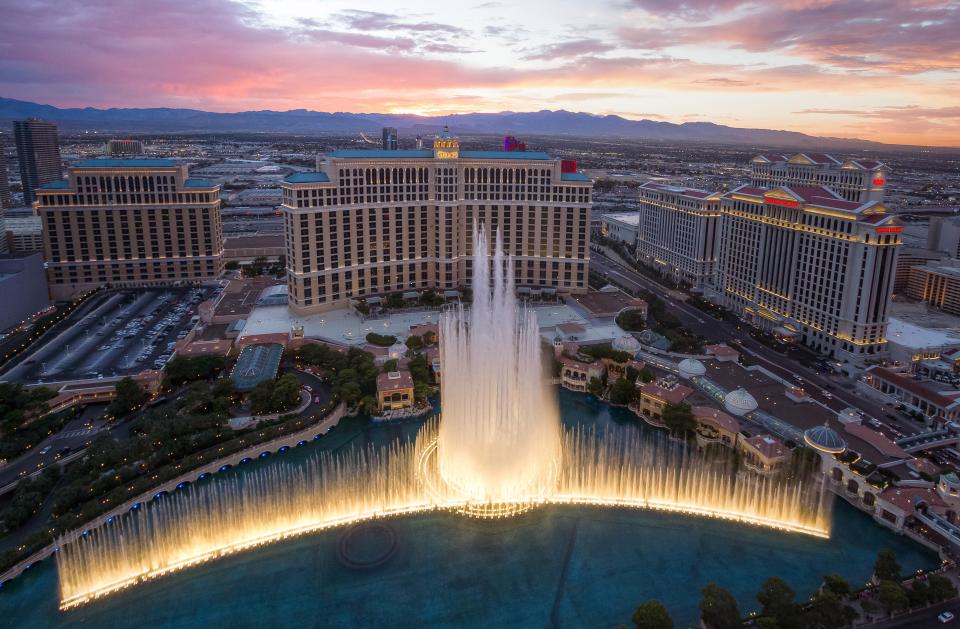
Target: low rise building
[
  {"x": 655, "y": 396},
  {"x": 937, "y": 284},
  {"x": 715, "y": 426},
  {"x": 394, "y": 391},
  {"x": 576, "y": 375},
  {"x": 620, "y": 226},
  {"x": 932, "y": 399},
  {"x": 764, "y": 454},
  {"x": 23, "y": 285}
]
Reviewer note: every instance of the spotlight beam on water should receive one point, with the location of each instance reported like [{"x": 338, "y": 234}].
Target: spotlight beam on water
[{"x": 498, "y": 450}]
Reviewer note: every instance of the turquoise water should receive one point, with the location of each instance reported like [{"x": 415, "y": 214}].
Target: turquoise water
[{"x": 565, "y": 566}]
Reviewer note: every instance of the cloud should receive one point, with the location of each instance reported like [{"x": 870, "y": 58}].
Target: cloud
[{"x": 569, "y": 49}]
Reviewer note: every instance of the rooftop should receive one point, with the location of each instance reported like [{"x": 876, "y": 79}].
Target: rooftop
[
  {"x": 428, "y": 154},
  {"x": 197, "y": 182},
  {"x": 125, "y": 163},
  {"x": 394, "y": 380},
  {"x": 573, "y": 177},
  {"x": 768, "y": 446},
  {"x": 627, "y": 218},
  {"x": 59, "y": 184},
  {"x": 914, "y": 336},
  {"x": 312, "y": 177},
  {"x": 256, "y": 364}
]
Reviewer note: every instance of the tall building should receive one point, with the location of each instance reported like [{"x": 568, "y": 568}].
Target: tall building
[
  {"x": 944, "y": 235},
  {"x": 937, "y": 284},
  {"x": 677, "y": 232},
  {"x": 5, "y": 199},
  {"x": 120, "y": 148},
  {"x": 391, "y": 141},
  {"x": 858, "y": 180},
  {"x": 129, "y": 222},
  {"x": 39, "y": 153},
  {"x": 806, "y": 264},
  {"x": 376, "y": 222}
]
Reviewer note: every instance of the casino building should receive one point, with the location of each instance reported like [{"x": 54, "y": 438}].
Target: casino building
[
  {"x": 808, "y": 265},
  {"x": 859, "y": 180},
  {"x": 373, "y": 222},
  {"x": 129, "y": 222}
]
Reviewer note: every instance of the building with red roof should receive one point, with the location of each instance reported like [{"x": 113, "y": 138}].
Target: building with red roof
[{"x": 858, "y": 180}]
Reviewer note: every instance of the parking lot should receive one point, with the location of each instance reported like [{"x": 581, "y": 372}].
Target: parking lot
[{"x": 116, "y": 334}]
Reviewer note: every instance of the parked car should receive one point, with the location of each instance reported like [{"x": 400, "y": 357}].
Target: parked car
[{"x": 945, "y": 617}]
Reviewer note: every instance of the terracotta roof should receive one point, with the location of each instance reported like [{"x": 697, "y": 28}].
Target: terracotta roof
[
  {"x": 571, "y": 328},
  {"x": 394, "y": 380},
  {"x": 710, "y": 415},
  {"x": 571, "y": 362},
  {"x": 876, "y": 440},
  {"x": 721, "y": 350},
  {"x": 911, "y": 385},
  {"x": 907, "y": 498},
  {"x": 678, "y": 393},
  {"x": 768, "y": 446}
]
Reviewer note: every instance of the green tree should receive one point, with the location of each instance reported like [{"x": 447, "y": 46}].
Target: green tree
[
  {"x": 183, "y": 369},
  {"x": 652, "y": 615},
  {"x": 827, "y": 611},
  {"x": 631, "y": 320},
  {"x": 918, "y": 594},
  {"x": 415, "y": 342},
  {"x": 777, "y": 599},
  {"x": 646, "y": 375},
  {"x": 381, "y": 340},
  {"x": 892, "y": 596},
  {"x": 390, "y": 365},
  {"x": 718, "y": 608},
  {"x": 679, "y": 419},
  {"x": 941, "y": 588},
  {"x": 836, "y": 584},
  {"x": 421, "y": 391},
  {"x": 130, "y": 397},
  {"x": 595, "y": 386},
  {"x": 886, "y": 567},
  {"x": 623, "y": 391}
]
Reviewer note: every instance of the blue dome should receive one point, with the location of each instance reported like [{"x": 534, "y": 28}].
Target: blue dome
[{"x": 825, "y": 439}]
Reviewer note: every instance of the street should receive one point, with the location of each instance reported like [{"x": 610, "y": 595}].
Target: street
[
  {"x": 833, "y": 391},
  {"x": 922, "y": 618},
  {"x": 75, "y": 435}
]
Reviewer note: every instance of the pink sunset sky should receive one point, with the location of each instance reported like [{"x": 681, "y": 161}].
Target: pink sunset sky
[{"x": 884, "y": 70}]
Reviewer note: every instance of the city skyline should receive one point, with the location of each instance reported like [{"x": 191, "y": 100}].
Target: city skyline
[{"x": 882, "y": 71}]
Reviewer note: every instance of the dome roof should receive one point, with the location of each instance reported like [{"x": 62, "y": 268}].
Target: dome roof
[
  {"x": 739, "y": 402},
  {"x": 825, "y": 439},
  {"x": 690, "y": 367},
  {"x": 626, "y": 343}
]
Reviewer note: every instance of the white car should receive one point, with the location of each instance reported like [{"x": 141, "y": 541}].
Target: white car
[{"x": 945, "y": 617}]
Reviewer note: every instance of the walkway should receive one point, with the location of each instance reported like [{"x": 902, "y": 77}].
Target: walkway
[{"x": 253, "y": 452}]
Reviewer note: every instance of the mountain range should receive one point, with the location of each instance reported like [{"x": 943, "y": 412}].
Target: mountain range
[{"x": 305, "y": 122}]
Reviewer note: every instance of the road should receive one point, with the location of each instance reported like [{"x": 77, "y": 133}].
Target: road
[
  {"x": 922, "y": 618},
  {"x": 75, "y": 435},
  {"x": 834, "y": 391}
]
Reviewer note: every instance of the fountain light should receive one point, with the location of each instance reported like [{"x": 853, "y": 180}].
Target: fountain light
[{"x": 498, "y": 450}]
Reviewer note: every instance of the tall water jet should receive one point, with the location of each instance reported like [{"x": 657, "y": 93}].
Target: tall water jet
[{"x": 499, "y": 438}]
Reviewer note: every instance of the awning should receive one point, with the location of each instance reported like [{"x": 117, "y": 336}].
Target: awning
[
  {"x": 451, "y": 293},
  {"x": 411, "y": 294},
  {"x": 374, "y": 301},
  {"x": 550, "y": 291},
  {"x": 523, "y": 290}
]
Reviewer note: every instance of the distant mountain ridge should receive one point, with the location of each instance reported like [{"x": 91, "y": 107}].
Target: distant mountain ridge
[{"x": 305, "y": 122}]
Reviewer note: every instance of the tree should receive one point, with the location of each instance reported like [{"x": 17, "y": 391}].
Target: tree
[
  {"x": 679, "y": 419},
  {"x": 652, "y": 615},
  {"x": 232, "y": 265},
  {"x": 130, "y": 397},
  {"x": 827, "y": 611},
  {"x": 381, "y": 340},
  {"x": 631, "y": 320},
  {"x": 646, "y": 375},
  {"x": 390, "y": 365},
  {"x": 275, "y": 396},
  {"x": 421, "y": 391},
  {"x": 836, "y": 584},
  {"x": 415, "y": 342},
  {"x": 623, "y": 391},
  {"x": 718, "y": 608},
  {"x": 892, "y": 596},
  {"x": 183, "y": 369},
  {"x": 918, "y": 594},
  {"x": 595, "y": 386},
  {"x": 941, "y": 588},
  {"x": 777, "y": 599},
  {"x": 886, "y": 567}
]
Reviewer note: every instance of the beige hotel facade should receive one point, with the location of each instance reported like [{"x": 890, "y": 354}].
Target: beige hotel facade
[
  {"x": 372, "y": 222},
  {"x": 129, "y": 222}
]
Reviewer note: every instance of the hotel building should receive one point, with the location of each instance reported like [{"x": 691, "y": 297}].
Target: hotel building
[
  {"x": 806, "y": 264},
  {"x": 936, "y": 284},
  {"x": 858, "y": 180},
  {"x": 129, "y": 222},
  {"x": 38, "y": 150},
  {"x": 374, "y": 222},
  {"x": 677, "y": 234}
]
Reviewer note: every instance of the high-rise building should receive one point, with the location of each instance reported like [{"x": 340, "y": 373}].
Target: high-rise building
[
  {"x": 119, "y": 148},
  {"x": 806, "y": 264},
  {"x": 677, "y": 232},
  {"x": 391, "y": 141},
  {"x": 376, "y": 222},
  {"x": 937, "y": 284},
  {"x": 859, "y": 180},
  {"x": 5, "y": 199},
  {"x": 944, "y": 235},
  {"x": 129, "y": 222},
  {"x": 38, "y": 150}
]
